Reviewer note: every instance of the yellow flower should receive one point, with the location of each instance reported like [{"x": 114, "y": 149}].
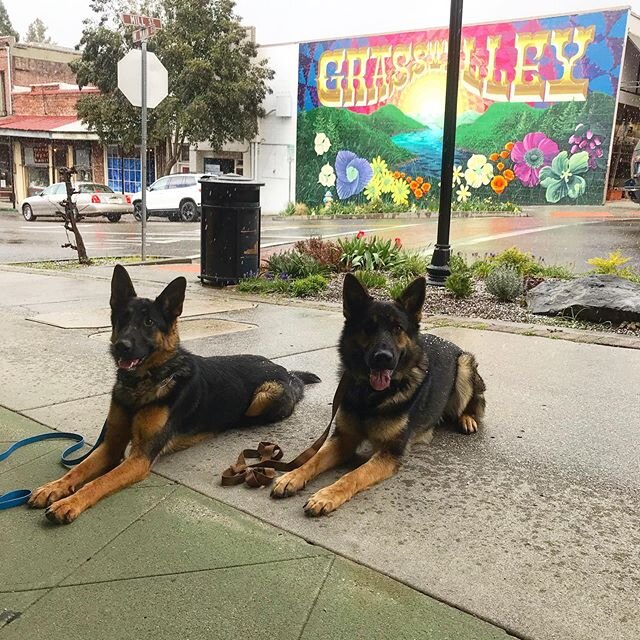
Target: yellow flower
[
  {"x": 458, "y": 174},
  {"x": 400, "y": 192},
  {"x": 386, "y": 181},
  {"x": 379, "y": 166},
  {"x": 463, "y": 193},
  {"x": 372, "y": 191}
]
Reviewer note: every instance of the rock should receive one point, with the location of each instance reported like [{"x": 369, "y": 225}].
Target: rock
[{"x": 597, "y": 298}]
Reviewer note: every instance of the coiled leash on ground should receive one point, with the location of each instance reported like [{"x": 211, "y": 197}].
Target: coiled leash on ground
[
  {"x": 269, "y": 454},
  {"x": 20, "y": 496}
]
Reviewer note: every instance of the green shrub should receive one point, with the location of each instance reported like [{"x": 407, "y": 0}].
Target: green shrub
[
  {"x": 482, "y": 268},
  {"x": 460, "y": 283},
  {"x": 557, "y": 271},
  {"x": 524, "y": 263},
  {"x": 413, "y": 265},
  {"x": 398, "y": 286},
  {"x": 505, "y": 283},
  {"x": 326, "y": 252},
  {"x": 309, "y": 286},
  {"x": 372, "y": 279},
  {"x": 301, "y": 209},
  {"x": 264, "y": 285},
  {"x": 289, "y": 210},
  {"x": 294, "y": 264},
  {"x": 457, "y": 263},
  {"x": 370, "y": 253},
  {"x": 612, "y": 265}
]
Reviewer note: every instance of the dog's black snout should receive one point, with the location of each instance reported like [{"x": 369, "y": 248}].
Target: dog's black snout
[
  {"x": 124, "y": 346},
  {"x": 383, "y": 359}
]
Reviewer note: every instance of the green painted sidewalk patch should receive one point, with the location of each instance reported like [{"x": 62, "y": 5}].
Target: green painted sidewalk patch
[
  {"x": 220, "y": 604},
  {"x": 190, "y": 532},
  {"x": 357, "y": 603}
]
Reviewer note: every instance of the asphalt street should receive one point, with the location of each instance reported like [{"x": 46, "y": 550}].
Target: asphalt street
[{"x": 557, "y": 235}]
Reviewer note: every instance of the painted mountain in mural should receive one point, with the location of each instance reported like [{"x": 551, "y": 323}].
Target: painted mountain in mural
[{"x": 367, "y": 136}]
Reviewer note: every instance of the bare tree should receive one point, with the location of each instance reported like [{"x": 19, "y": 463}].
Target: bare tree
[{"x": 70, "y": 215}]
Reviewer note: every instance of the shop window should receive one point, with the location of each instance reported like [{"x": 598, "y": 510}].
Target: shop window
[
  {"x": 82, "y": 163},
  {"x": 123, "y": 172},
  {"x": 184, "y": 153},
  {"x": 6, "y": 175},
  {"x": 36, "y": 162}
]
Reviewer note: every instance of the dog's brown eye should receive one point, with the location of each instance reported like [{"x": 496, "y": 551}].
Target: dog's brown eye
[{"x": 148, "y": 322}]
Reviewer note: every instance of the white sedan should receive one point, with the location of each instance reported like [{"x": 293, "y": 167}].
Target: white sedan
[{"x": 91, "y": 200}]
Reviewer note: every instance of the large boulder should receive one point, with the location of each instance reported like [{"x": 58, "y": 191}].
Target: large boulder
[{"x": 596, "y": 298}]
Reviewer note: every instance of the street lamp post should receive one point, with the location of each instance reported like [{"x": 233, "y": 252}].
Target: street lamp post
[{"x": 438, "y": 270}]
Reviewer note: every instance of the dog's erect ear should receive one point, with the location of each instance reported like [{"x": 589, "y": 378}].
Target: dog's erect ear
[
  {"x": 171, "y": 299},
  {"x": 412, "y": 298},
  {"x": 355, "y": 298},
  {"x": 121, "y": 288}
]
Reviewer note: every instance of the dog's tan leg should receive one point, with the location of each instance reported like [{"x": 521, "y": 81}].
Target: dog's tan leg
[
  {"x": 105, "y": 457},
  {"x": 339, "y": 448},
  {"x": 468, "y": 423},
  {"x": 379, "y": 467},
  {"x": 147, "y": 424}
]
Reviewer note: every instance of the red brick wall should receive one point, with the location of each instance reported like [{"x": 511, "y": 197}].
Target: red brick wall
[
  {"x": 28, "y": 71},
  {"x": 43, "y": 101}
]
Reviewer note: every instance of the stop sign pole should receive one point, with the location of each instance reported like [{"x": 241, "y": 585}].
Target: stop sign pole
[{"x": 143, "y": 153}]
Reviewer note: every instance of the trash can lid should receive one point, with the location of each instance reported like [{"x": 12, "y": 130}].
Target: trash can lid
[{"x": 231, "y": 178}]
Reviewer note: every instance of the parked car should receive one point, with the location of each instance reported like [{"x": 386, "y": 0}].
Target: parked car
[
  {"x": 91, "y": 200},
  {"x": 176, "y": 197}
]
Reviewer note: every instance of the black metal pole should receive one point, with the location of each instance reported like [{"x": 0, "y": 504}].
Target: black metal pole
[{"x": 438, "y": 270}]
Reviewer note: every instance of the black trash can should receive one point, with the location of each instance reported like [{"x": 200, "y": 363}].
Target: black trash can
[{"x": 229, "y": 229}]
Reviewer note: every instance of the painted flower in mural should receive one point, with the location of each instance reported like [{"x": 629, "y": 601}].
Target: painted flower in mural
[
  {"x": 353, "y": 174},
  {"x": 372, "y": 191},
  {"x": 327, "y": 176},
  {"x": 379, "y": 166},
  {"x": 400, "y": 192},
  {"x": 458, "y": 174},
  {"x": 530, "y": 154},
  {"x": 479, "y": 172},
  {"x": 463, "y": 193},
  {"x": 584, "y": 139},
  {"x": 386, "y": 182},
  {"x": 499, "y": 184},
  {"x": 509, "y": 175},
  {"x": 321, "y": 144},
  {"x": 562, "y": 179}
]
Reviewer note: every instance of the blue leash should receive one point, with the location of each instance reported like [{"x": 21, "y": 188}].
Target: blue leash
[{"x": 20, "y": 496}]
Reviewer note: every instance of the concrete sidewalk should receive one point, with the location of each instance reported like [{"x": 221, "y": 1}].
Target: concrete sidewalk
[{"x": 531, "y": 525}]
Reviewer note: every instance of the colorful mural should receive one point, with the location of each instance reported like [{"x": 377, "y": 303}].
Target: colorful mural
[{"x": 535, "y": 112}]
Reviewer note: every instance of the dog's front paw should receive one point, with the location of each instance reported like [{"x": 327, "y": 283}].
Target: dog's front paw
[
  {"x": 288, "y": 485},
  {"x": 468, "y": 424},
  {"x": 49, "y": 493},
  {"x": 324, "y": 501},
  {"x": 64, "y": 511}
]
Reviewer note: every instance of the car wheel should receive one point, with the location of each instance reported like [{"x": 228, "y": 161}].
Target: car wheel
[
  {"x": 137, "y": 211},
  {"x": 188, "y": 211},
  {"x": 27, "y": 213},
  {"x": 114, "y": 217}
]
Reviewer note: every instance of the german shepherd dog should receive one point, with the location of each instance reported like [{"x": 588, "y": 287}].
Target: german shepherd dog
[
  {"x": 400, "y": 385},
  {"x": 165, "y": 398}
]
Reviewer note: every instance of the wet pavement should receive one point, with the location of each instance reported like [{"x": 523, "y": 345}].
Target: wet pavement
[{"x": 566, "y": 236}]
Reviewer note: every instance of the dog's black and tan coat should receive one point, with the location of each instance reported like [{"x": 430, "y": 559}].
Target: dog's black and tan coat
[
  {"x": 400, "y": 386},
  {"x": 165, "y": 398}
]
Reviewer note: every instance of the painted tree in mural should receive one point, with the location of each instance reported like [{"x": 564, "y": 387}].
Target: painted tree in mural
[
  {"x": 6, "y": 28},
  {"x": 37, "y": 32},
  {"x": 216, "y": 83}
]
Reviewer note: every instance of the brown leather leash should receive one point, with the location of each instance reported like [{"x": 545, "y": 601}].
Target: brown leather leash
[{"x": 269, "y": 454}]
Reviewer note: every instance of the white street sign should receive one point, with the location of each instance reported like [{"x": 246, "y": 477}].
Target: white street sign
[{"x": 130, "y": 78}]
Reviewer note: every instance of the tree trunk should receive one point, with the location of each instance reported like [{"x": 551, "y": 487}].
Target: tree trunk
[{"x": 70, "y": 223}]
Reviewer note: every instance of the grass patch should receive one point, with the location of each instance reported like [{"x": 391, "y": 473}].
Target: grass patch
[
  {"x": 71, "y": 264},
  {"x": 372, "y": 279}
]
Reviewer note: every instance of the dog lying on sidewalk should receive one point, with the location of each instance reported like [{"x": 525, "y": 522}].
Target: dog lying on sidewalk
[
  {"x": 165, "y": 398},
  {"x": 400, "y": 386}
]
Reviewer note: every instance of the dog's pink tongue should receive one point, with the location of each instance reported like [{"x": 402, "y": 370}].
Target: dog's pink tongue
[
  {"x": 128, "y": 364},
  {"x": 380, "y": 379}
]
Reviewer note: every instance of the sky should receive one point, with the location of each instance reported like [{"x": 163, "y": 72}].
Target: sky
[{"x": 312, "y": 19}]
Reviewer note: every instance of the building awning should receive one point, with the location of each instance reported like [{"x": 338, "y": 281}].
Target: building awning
[{"x": 47, "y": 127}]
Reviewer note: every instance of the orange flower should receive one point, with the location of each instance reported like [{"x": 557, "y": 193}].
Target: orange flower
[
  {"x": 418, "y": 193},
  {"x": 402, "y": 174},
  {"x": 409, "y": 178},
  {"x": 500, "y": 166},
  {"x": 509, "y": 146},
  {"x": 493, "y": 157},
  {"x": 509, "y": 175},
  {"x": 499, "y": 184},
  {"x": 419, "y": 179},
  {"x": 504, "y": 154},
  {"x": 426, "y": 187},
  {"x": 396, "y": 174},
  {"x": 414, "y": 185}
]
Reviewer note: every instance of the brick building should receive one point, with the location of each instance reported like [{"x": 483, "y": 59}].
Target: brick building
[{"x": 39, "y": 127}]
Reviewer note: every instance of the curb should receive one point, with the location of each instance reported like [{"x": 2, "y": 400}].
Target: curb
[{"x": 404, "y": 216}]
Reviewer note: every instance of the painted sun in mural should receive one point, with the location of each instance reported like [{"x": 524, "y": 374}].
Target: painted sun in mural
[{"x": 423, "y": 99}]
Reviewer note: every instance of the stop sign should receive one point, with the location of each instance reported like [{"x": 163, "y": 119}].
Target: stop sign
[{"x": 130, "y": 78}]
